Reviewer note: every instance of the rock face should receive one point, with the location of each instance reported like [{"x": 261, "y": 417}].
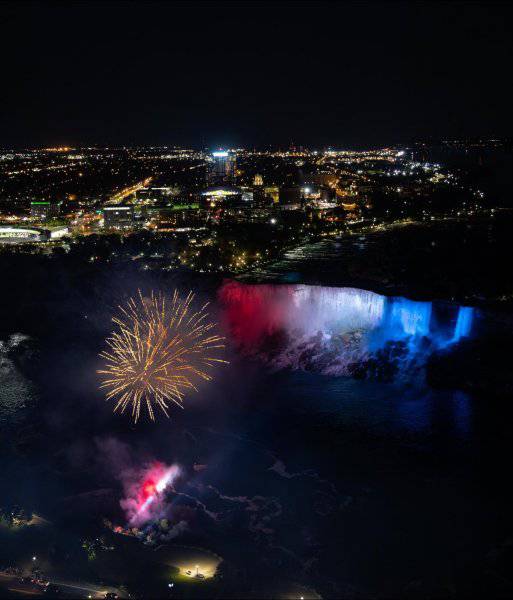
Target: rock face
[{"x": 386, "y": 364}]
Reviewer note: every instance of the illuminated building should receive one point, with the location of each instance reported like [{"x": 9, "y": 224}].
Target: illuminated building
[
  {"x": 230, "y": 204},
  {"x": 215, "y": 197},
  {"x": 18, "y": 235},
  {"x": 118, "y": 217},
  {"x": 258, "y": 180},
  {"x": 222, "y": 169},
  {"x": 320, "y": 197},
  {"x": 56, "y": 233},
  {"x": 273, "y": 192},
  {"x": 43, "y": 210}
]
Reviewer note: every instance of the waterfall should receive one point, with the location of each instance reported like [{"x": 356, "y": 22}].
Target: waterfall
[
  {"x": 309, "y": 323},
  {"x": 343, "y": 309},
  {"x": 409, "y": 317},
  {"x": 463, "y": 323}
]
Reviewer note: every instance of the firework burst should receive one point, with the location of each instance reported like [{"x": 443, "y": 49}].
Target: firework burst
[{"x": 157, "y": 353}]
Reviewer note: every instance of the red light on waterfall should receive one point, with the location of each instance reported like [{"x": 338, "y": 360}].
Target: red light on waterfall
[{"x": 255, "y": 312}]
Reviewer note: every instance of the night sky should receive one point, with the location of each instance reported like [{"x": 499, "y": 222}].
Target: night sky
[{"x": 253, "y": 73}]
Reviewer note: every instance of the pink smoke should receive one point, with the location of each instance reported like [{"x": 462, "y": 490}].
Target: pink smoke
[{"x": 145, "y": 492}]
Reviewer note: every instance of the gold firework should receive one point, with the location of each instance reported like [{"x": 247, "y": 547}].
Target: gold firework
[{"x": 158, "y": 351}]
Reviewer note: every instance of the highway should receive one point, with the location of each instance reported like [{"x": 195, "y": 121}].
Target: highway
[{"x": 130, "y": 190}]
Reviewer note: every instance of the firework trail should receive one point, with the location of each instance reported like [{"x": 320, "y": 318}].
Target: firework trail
[{"x": 157, "y": 353}]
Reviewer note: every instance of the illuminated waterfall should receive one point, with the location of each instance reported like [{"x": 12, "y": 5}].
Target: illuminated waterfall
[
  {"x": 409, "y": 317},
  {"x": 345, "y": 309},
  {"x": 463, "y": 323},
  {"x": 329, "y": 328}
]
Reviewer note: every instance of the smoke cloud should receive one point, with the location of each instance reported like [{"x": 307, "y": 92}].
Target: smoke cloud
[{"x": 145, "y": 492}]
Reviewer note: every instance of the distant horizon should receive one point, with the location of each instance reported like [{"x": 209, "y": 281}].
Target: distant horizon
[{"x": 258, "y": 147}]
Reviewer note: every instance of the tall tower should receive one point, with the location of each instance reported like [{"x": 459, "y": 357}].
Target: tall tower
[{"x": 222, "y": 169}]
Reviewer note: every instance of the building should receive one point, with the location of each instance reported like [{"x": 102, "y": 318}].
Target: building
[
  {"x": 222, "y": 169},
  {"x": 319, "y": 196},
  {"x": 152, "y": 195},
  {"x": 118, "y": 217},
  {"x": 172, "y": 218},
  {"x": 273, "y": 192},
  {"x": 19, "y": 235},
  {"x": 56, "y": 233},
  {"x": 217, "y": 196},
  {"x": 44, "y": 210},
  {"x": 258, "y": 180}
]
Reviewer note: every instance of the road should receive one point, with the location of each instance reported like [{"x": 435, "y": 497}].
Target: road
[
  {"x": 11, "y": 587},
  {"x": 130, "y": 190}
]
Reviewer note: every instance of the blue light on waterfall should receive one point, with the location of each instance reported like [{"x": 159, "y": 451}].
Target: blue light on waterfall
[
  {"x": 410, "y": 317},
  {"x": 463, "y": 323}
]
